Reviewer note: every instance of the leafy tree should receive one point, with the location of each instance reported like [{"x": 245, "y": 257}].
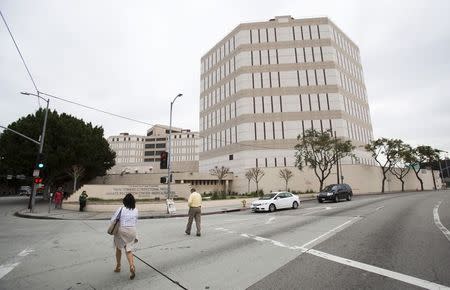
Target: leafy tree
[
  {"x": 68, "y": 141},
  {"x": 220, "y": 172},
  {"x": 385, "y": 153},
  {"x": 285, "y": 174},
  {"x": 320, "y": 151},
  {"x": 257, "y": 173},
  {"x": 426, "y": 155},
  {"x": 249, "y": 176},
  {"x": 403, "y": 162}
]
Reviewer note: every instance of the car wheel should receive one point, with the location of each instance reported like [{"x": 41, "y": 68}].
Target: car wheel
[
  {"x": 272, "y": 208},
  {"x": 320, "y": 200},
  {"x": 349, "y": 197},
  {"x": 336, "y": 198},
  {"x": 295, "y": 205}
]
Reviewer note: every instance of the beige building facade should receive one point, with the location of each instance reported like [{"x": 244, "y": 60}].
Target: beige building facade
[
  {"x": 141, "y": 154},
  {"x": 267, "y": 82}
]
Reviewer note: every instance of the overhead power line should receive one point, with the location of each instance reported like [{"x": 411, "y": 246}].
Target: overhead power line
[
  {"x": 95, "y": 109},
  {"x": 138, "y": 121},
  {"x": 21, "y": 56}
]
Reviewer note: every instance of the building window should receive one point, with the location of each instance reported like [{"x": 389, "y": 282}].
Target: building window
[{"x": 230, "y": 157}]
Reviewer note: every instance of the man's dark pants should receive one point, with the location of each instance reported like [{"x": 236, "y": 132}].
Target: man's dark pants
[{"x": 194, "y": 213}]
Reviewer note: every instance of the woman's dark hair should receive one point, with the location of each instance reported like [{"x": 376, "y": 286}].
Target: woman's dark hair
[{"x": 129, "y": 201}]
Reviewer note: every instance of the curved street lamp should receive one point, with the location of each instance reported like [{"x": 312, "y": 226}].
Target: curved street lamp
[{"x": 169, "y": 163}]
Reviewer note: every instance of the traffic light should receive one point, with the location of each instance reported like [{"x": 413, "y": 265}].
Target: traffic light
[
  {"x": 38, "y": 180},
  {"x": 163, "y": 160},
  {"x": 40, "y": 162}
]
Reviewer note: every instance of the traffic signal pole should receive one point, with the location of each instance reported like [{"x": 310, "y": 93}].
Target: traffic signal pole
[{"x": 41, "y": 147}]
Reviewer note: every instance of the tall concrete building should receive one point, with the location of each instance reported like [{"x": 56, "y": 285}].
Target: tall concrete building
[
  {"x": 141, "y": 154},
  {"x": 129, "y": 148},
  {"x": 184, "y": 149},
  {"x": 267, "y": 82}
]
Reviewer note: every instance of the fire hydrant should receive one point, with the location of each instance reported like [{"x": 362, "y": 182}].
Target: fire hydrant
[{"x": 244, "y": 202}]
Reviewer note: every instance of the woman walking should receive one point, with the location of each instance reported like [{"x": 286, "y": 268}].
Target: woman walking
[{"x": 126, "y": 236}]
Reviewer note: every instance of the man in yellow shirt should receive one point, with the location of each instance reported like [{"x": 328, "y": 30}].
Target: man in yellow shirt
[{"x": 195, "y": 204}]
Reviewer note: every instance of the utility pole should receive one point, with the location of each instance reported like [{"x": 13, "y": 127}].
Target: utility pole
[{"x": 41, "y": 147}]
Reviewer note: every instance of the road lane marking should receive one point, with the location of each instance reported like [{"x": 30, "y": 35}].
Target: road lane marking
[
  {"x": 355, "y": 264},
  {"x": 377, "y": 270},
  {"x": 9, "y": 266},
  {"x": 323, "y": 209},
  {"x": 334, "y": 230},
  {"x": 378, "y": 208},
  {"x": 437, "y": 221},
  {"x": 6, "y": 268},
  {"x": 270, "y": 220}
]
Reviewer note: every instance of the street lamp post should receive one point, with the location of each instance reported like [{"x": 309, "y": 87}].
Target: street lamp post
[
  {"x": 41, "y": 145},
  {"x": 169, "y": 163}
]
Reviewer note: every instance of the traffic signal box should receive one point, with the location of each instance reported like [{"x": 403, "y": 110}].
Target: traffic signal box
[
  {"x": 163, "y": 160},
  {"x": 38, "y": 180},
  {"x": 40, "y": 164}
]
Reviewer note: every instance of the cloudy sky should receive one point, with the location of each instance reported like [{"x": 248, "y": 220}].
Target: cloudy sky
[{"x": 133, "y": 57}]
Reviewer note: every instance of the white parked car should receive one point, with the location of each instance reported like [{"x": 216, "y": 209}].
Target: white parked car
[{"x": 276, "y": 200}]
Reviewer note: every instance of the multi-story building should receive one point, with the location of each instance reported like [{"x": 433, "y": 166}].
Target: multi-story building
[
  {"x": 141, "y": 154},
  {"x": 267, "y": 82},
  {"x": 185, "y": 150},
  {"x": 129, "y": 152},
  {"x": 128, "y": 148}
]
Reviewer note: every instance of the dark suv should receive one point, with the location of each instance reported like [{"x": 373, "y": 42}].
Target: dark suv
[{"x": 335, "y": 192}]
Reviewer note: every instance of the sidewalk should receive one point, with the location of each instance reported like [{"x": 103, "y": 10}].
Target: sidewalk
[{"x": 146, "y": 210}]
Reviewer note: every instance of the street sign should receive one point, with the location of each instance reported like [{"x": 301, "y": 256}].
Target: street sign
[{"x": 36, "y": 173}]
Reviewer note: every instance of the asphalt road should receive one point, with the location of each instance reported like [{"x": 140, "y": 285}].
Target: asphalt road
[{"x": 382, "y": 242}]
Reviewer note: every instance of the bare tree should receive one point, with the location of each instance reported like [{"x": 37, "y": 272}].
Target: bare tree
[
  {"x": 286, "y": 174},
  {"x": 257, "y": 174},
  {"x": 76, "y": 172},
  {"x": 249, "y": 176},
  {"x": 220, "y": 172}
]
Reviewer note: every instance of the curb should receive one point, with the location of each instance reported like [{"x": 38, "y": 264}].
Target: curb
[{"x": 42, "y": 217}]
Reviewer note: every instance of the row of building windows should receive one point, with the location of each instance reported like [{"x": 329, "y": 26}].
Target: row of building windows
[
  {"x": 279, "y": 79},
  {"x": 128, "y": 160},
  {"x": 350, "y": 67},
  {"x": 116, "y": 146},
  {"x": 284, "y": 162},
  {"x": 345, "y": 44},
  {"x": 184, "y": 136},
  {"x": 356, "y": 110},
  {"x": 280, "y": 130},
  {"x": 125, "y": 139},
  {"x": 157, "y": 145},
  {"x": 152, "y": 153},
  {"x": 267, "y": 57},
  {"x": 352, "y": 87},
  {"x": 287, "y": 103},
  {"x": 184, "y": 158},
  {"x": 264, "y": 35},
  {"x": 205, "y": 182},
  {"x": 155, "y": 139},
  {"x": 152, "y": 159}
]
